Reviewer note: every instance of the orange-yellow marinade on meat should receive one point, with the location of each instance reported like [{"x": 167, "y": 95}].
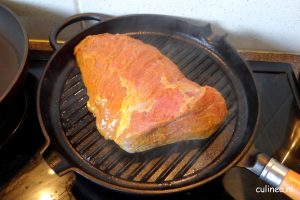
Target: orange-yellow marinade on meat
[{"x": 140, "y": 98}]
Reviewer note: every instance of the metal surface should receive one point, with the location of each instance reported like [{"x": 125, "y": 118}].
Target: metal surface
[
  {"x": 203, "y": 58},
  {"x": 13, "y": 70},
  {"x": 258, "y": 167},
  {"x": 13, "y": 55},
  {"x": 38, "y": 181},
  {"x": 273, "y": 173}
]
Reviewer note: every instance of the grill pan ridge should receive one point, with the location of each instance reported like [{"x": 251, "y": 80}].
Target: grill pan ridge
[{"x": 78, "y": 146}]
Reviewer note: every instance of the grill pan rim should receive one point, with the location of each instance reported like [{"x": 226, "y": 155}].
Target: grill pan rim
[{"x": 108, "y": 185}]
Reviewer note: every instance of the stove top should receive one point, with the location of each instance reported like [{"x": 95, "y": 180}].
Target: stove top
[{"x": 25, "y": 175}]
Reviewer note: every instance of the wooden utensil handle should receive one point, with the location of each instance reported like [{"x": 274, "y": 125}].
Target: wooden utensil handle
[
  {"x": 290, "y": 185},
  {"x": 277, "y": 175}
]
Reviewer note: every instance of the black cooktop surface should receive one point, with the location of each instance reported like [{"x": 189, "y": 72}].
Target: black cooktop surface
[{"x": 25, "y": 175}]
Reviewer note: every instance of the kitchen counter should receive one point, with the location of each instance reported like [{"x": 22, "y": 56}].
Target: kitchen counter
[{"x": 292, "y": 59}]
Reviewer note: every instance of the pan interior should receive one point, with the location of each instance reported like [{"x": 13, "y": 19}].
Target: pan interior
[
  {"x": 13, "y": 53},
  {"x": 9, "y": 64},
  {"x": 170, "y": 166}
]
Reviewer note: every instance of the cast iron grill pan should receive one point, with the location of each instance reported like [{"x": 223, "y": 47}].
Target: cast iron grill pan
[
  {"x": 170, "y": 168},
  {"x": 159, "y": 166}
]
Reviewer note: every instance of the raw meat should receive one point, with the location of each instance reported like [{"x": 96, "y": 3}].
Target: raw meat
[{"x": 140, "y": 98}]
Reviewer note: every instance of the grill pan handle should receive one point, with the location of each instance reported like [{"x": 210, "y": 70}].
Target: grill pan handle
[
  {"x": 56, "y": 161},
  {"x": 71, "y": 20},
  {"x": 277, "y": 175}
]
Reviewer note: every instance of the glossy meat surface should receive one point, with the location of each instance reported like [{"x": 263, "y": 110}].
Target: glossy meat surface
[{"x": 140, "y": 98}]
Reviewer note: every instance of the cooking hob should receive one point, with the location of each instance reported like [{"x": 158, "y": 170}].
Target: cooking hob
[{"x": 25, "y": 175}]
